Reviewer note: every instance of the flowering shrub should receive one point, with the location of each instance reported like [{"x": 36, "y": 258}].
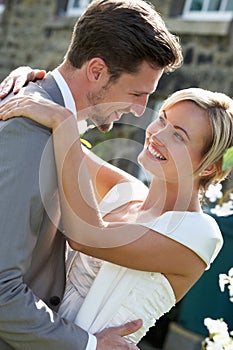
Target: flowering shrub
[
  {"x": 224, "y": 205},
  {"x": 227, "y": 279},
  {"x": 219, "y": 336}
]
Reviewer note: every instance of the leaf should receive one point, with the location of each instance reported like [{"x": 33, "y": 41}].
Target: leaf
[{"x": 228, "y": 159}]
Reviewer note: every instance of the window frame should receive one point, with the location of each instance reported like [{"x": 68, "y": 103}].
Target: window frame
[
  {"x": 204, "y": 14},
  {"x": 76, "y": 11},
  {"x": 2, "y": 8}
]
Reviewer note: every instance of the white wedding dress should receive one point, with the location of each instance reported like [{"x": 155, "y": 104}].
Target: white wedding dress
[{"x": 100, "y": 294}]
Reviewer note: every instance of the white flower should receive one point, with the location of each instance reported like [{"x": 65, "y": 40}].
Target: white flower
[
  {"x": 214, "y": 192},
  {"x": 227, "y": 279},
  {"x": 223, "y": 280},
  {"x": 212, "y": 346},
  {"x": 230, "y": 287},
  {"x": 223, "y": 210},
  {"x": 219, "y": 337},
  {"x": 222, "y": 338},
  {"x": 215, "y": 326}
]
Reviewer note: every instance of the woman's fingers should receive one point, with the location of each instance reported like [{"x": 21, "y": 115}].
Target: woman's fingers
[
  {"x": 26, "y": 77},
  {"x": 21, "y": 106},
  {"x": 19, "y": 78},
  {"x": 6, "y": 86},
  {"x": 11, "y": 108},
  {"x": 41, "y": 110}
]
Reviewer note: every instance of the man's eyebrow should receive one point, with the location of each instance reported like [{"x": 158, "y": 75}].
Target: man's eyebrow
[
  {"x": 178, "y": 127},
  {"x": 141, "y": 92},
  {"x": 145, "y": 92}
]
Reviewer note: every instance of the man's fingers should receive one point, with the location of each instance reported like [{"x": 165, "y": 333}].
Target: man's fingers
[
  {"x": 129, "y": 327},
  {"x": 113, "y": 338}
]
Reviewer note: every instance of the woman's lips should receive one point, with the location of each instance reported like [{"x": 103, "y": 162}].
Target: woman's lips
[{"x": 155, "y": 152}]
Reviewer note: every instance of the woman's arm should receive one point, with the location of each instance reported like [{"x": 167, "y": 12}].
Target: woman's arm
[{"x": 127, "y": 244}]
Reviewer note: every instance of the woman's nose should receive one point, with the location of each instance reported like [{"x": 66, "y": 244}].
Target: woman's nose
[
  {"x": 139, "y": 107},
  {"x": 157, "y": 138},
  {"x": 161, "y": 134}
]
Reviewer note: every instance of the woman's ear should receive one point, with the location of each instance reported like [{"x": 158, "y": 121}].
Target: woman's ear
[
  {"x": 209, "y": 170},
  {"x": 96, "y": 69}
]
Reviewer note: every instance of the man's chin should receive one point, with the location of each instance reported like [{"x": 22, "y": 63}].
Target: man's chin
[{"x": 105, "y": 127}]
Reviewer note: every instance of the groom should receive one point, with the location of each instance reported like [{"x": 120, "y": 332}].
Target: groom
[{"x": 118, "y": 52}]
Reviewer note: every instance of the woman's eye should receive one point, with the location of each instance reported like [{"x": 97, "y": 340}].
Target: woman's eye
[
  {"x": 162, "y": 120},
  {"x": 178, "y": 136}
]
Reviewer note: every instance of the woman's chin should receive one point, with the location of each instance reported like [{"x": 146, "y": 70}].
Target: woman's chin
[
  {"x": 140, "y": 159},
  {"x": 144, "y": 164}
]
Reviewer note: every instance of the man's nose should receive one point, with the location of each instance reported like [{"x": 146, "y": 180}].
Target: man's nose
[{"x": 139, "y": 108}]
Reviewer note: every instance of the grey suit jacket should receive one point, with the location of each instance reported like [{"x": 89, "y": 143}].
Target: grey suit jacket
[{"x": 32, "y": 249}]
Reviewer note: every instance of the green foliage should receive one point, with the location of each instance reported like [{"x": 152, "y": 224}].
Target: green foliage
[{"x": 228, "y": 159}]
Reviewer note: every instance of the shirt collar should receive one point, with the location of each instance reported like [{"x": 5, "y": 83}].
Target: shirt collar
[
  {"x": 68, "y": 98},
  {"x": 65, "y": 91}
]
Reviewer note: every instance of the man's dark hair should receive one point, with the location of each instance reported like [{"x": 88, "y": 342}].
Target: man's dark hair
[{"x": 124, "y": 33}]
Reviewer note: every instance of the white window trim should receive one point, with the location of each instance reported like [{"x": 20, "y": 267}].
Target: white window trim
[
  {"x": 76, "y": 11},
  {"x": 208, "y": 16},
  {"x": 205, "y": 15},
  {"x": 2, "y": 8}
]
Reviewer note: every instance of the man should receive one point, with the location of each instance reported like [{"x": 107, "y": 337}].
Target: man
[{"x": 118, "y": 52}]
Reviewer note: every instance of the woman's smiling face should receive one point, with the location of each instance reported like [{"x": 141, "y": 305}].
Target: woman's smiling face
[{"x": 175, "y": 142}]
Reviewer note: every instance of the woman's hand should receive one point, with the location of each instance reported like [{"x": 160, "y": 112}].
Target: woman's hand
[
  {"x": 39, "y": 109},
  {"x": 18, "y": 78}
]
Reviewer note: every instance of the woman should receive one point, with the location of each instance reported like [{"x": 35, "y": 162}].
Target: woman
[{"x": 165, "y": 233}]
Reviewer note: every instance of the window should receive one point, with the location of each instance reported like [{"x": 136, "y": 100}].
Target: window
[
  {"x": 2, "y": 6},
  {"x": 77, "y": 7},
  {"x": 208, "y": 9}
]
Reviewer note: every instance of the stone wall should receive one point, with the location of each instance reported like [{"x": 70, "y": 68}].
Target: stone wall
[
  {"x": 31, "y": 34},
  {"x": 208, "y": 64}
]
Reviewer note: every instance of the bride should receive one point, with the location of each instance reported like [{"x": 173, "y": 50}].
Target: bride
[{"x": 136, "y": 258}]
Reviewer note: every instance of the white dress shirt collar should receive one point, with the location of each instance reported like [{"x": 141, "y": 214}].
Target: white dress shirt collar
[
  {"x": 68, "y": 98},
  {"x": 65, "y": 91}
]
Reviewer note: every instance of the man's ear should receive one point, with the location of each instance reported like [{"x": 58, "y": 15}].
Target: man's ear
[
  {"x": 96, "y": 69},
  {"x": 209, "y": 170}
]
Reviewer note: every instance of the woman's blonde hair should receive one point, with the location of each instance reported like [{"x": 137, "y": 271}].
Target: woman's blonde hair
[{"x": 219, "y": 108}]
